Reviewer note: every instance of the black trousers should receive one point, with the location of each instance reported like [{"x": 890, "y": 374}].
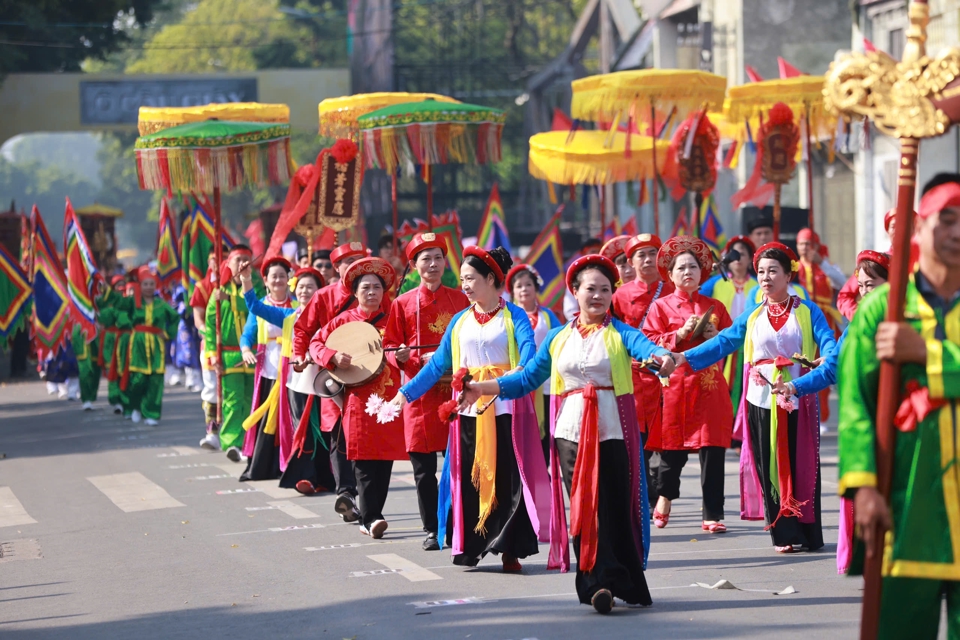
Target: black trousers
[
  {"x": 264, "y": 464},
  {"x": 619, "y": 565},
  {"x": 425, "y": 477},
  {"x": 312, "y": 462},
  {"x": 508, "y": 528},
  {"x": 343, "y": 469},
  {"x": 787, "y": 530},
  {"x": 373, "y": 482},
  {"x": 711, "y": 478},
  {"x": 651, "y": 462}
]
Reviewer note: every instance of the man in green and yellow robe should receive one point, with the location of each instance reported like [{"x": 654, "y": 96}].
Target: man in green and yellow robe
[
  {"x": 237, "y": 379},
  {"x": 88, "y": 362},
  {"x": 921, "y": 552},
  {"x": 107, "y": 317},
  {"x": 152, "y": 324}
]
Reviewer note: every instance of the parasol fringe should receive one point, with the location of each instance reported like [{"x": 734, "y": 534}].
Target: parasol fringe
[{"x": 431, "y": 144}]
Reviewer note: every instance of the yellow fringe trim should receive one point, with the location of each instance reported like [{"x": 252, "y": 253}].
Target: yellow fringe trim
[
  {"x": 585, "y": 160},
  {"x": 338, "y": 116},
  {"x": 601, "y": 97}
]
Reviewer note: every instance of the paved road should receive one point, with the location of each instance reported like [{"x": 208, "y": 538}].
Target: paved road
[{"x": 113, "y": 530}]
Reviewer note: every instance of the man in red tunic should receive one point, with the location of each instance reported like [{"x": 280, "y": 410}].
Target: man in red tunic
[
  {"x": 631, "y": 303},
  {"x": 420, "y": 317},
  {"x": 818, "y": 286}
]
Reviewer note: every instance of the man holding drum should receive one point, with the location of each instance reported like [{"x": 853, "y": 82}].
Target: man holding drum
[
  {"x": 417, "y": 322},
  {"x": 371, "y": 446}
]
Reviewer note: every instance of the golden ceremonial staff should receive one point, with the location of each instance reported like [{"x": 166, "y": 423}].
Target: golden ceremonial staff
[{"x": 917, "y": 98}]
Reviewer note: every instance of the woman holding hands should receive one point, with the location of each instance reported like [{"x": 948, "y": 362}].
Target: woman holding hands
[{"x": 596, "y": 437}]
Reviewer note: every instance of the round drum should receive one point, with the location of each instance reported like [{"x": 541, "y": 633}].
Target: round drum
[{"x": 362, "y": 341}]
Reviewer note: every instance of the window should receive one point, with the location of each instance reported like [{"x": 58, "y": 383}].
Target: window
[{"x": 895, "y": 42}]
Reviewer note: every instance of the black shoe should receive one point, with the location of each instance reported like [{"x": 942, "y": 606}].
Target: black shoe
[
  {"x": 346, "y": 506},
  {"x": 430, "y": 543},
  {"x": 602, "y": 601}
]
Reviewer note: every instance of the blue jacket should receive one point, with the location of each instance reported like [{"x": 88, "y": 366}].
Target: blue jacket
[
  {"x": 824, "y": 375},
  {"x": 441, "y": 361},
  {"x": 534, "y": 374},
  {"x": 731, "y": 339},
  {"x": 259, "y": 309}
]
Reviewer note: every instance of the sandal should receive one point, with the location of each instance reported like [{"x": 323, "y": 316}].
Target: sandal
[
  {"x": 602, "y": 601},
  {"x": 305, "y": 487},
  {"x": 785, "y": 549},
  {"x": 660, "y": 520},
  {"x": 714, "y": 527},
  {"x": 511, "y": 564}
]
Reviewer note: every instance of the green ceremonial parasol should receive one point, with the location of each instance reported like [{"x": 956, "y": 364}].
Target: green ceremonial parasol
[
  {"x": 429, "y": 133},
  {"x": 211, "y": 156}
]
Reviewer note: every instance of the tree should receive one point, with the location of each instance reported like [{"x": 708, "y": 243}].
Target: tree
[
  {"x": 58, "y": 35},
  {"x": 30, "y": 183}
]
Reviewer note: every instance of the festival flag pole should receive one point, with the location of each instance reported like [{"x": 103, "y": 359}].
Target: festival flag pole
[{"x": 218, "y": 247}]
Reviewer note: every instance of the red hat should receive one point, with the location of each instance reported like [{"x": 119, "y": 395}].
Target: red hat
[
  {"x": 794, "y": 261},
  {"x": 368, "y": 266},
  {"x": 888, "y": 218},
  {"x": 269, "y": 262},
  {"x": 424, "y": 241},
  {"x": 681, "y": 244},
  {"x": 824, "y": 251},
  {"x": 743, "y": 239},
  {"x": 641, "y": 241},
  {"x": 614, "y": 247},
  {"x": 115, "y": 280},
  {"x": 939, "y": 198},
  {"x": 523, "y": 268},
  {"x": 348, "y": 250},
  {"x": 487, "y": 260},
  {"x": 310, "y": 271},
  {"x": 146, "y": 273},
  {"x": 807, "y": 235},
  {"x": 594, "y": 259},
  {"x": 881, "y": 259}
]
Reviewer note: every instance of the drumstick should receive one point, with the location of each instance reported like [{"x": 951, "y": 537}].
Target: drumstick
[
  {"x": 487, "y": 405},
  {"x": 413, "y": 346}
]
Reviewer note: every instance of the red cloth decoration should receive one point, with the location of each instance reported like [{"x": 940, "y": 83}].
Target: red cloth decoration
[
  {"x": 448, "y": 411},
  {"x": 583, "y": 262},
  {"x": 916, "y": 406},
  {"x": 881, "y": 259},
  {"x": 226, "y": 275},
  {"x": 462, "y": 375},
  {"x": 787, "y": 70},
  {"x": 343, "y": 151},
  {"x": 299, "y": 196},
  {"x": 753, "y": 74}
]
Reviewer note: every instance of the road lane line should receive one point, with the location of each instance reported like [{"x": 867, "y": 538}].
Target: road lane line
[
  {"x": 134, "y": 492},
  {"x": 12, "y": 512},
  {"x": 409, "y": 570},
  {"x": 293, "y": 510}
]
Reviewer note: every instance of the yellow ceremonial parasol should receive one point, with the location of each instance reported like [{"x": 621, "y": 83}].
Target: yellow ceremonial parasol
[
  {"x": 607, "y": 97},
  {"x": 153, "y": 119},
  {"x": 338, "y": 116},
  {"x": 751, "y": 102},
  {"x": 595, "y": 158}
]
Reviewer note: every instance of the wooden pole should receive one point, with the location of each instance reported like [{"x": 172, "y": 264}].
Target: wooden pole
[
  {"x": 697, "y": 204},
  {"x": 429, "y": 180},
  {"x": 776, "y": 211},
  {"x": 396, "y": 215},
  {"x": 889, "y": 385},
  {"x": 602, "y": 197},
  {"x": 656, "y": 196},
  {"x": 809, "y": 168},
  {"x": 218, "y": 247}
]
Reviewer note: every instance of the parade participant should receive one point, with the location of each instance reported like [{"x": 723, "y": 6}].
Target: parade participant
[
  {"x": 420, "y": 317},
  {"x": 921, "y": 567},
  {"x": 734, "y": 292},
  {"x": 236, "y": 376},
  {"x": 834, "y": 273},
  {"x": 186, "y": 346},
  {"x": 387, "y": 248},
  {"x": 210, "y": 393},
  {"x": 371, "y": 447},
  {"x": 524, "y": 284},
  {"x": 697, "y": 413},
  {"x": 849, "y": 296},
  {"x": 152, "y": 324},
  {"x": 260, "y": 445},
  {"x": 330, "y": 301},
  {"x": 613, "y": 249},
  {"x": 61, "y": 372},
  {"x": 494, "y": 469},
  {"x": 780, "y": 457},
  {"x": 303, "y": 257},
  {"x": 760, "y": 230},
  {"x": 88, "y": 364},
  {"x": 631, "y": 302},
  {"x": 597, "y": 442},
  {"x": 107, "y": 316},
  {"x": 322, "y": 263},
  {"x": 590, "y": 246},
  {"x": 123, "y": 325},
  {"x": 818, "y": 285}
]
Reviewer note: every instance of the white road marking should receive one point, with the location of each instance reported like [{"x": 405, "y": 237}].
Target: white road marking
[
  {"x": 446, "y": 603},
  {"x": 375, "y": 572},
  {"x": 208, "y": 477},
  {"x": 409, "y": 570},
  {"x": 11, "y": 511},
  {"x": 261, "y": 508},
  {"x": 188, "y": 466},
  {"x": 186, "y": 451},
  {"x": 232, "y": 491},
  {"x": 350, "y": 545},
  {"x": 293, "y": 510},
  {"x": 295, "y": 527},
  {"x": 134, "y": 492}
]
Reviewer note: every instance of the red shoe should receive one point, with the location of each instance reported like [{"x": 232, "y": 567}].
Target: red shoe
[
  {"x": 511, "y": 564},
  {"x": 305, "y": 487},
  {"x": 714, "y": 527},
  {"x": 785, "y": 549},
  {"x": 660, "y": 520}
]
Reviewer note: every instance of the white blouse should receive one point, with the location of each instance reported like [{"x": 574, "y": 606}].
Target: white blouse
[
  {"x": 767, "y": 345},
  {"x": 584, "y": 361},
  {"x": 485, "y": 345},
  {"x": 272, "y": 350}
]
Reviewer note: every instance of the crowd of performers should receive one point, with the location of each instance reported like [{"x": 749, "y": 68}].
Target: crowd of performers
[{"x": 665, "y": 352}]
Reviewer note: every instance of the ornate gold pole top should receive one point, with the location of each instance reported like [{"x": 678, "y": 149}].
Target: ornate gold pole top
[{"x": 918, "y": 97}]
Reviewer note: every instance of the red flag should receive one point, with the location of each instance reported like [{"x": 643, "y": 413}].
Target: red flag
[
  {"x": 254, "y": 235},
  {"x": 682, "y": 226},
  {"x": 630, "y": 227},
  {"x": 787, "y": 70},
  {"x": 868, "y": 47},
  {"x": 561, "y": 121},
  {"x": 168, "y": 254},
  {"x": 753, "y": 75}
]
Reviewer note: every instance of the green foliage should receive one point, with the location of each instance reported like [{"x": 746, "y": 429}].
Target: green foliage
[
  {"x": 58, "y": 35},
  {"x": 29, "y": 183}
]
